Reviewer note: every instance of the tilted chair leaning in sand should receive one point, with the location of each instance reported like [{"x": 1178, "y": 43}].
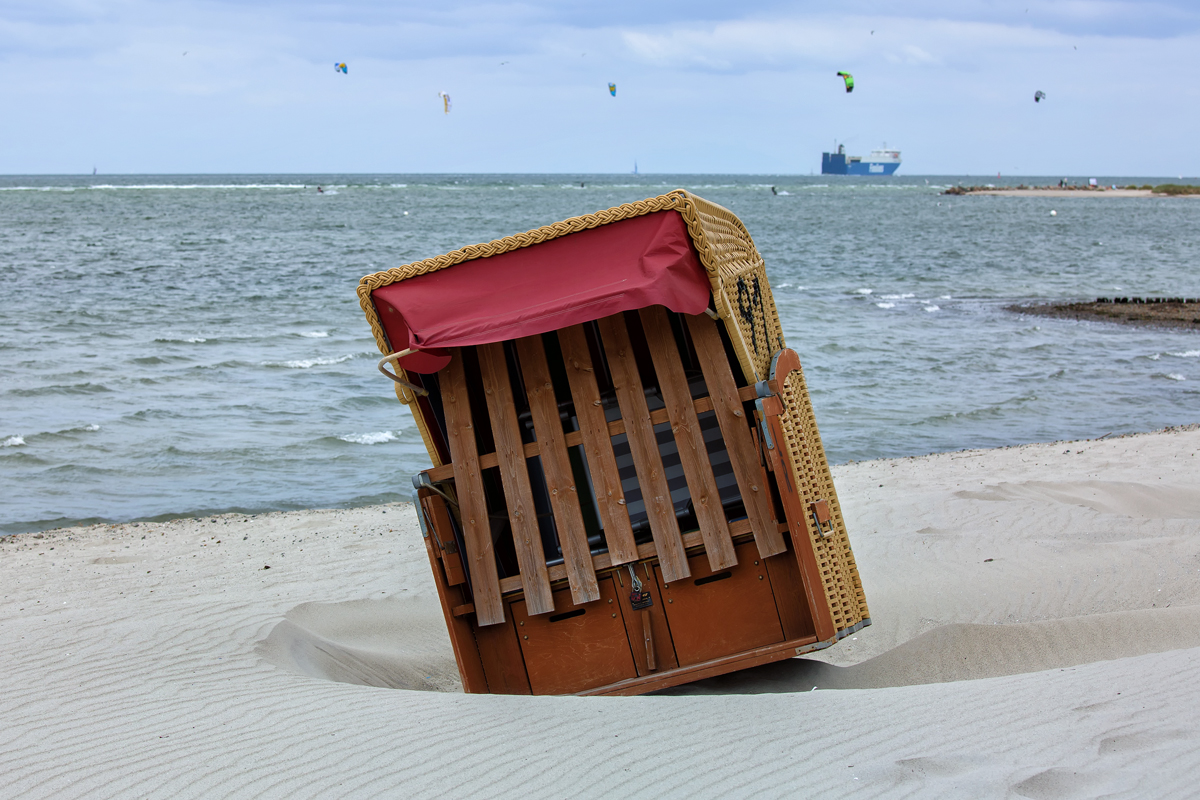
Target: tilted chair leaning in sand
[{"x": 629, "y": 491}]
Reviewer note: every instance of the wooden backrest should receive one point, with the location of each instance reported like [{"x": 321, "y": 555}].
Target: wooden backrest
[{"x": 585, "y": 447}]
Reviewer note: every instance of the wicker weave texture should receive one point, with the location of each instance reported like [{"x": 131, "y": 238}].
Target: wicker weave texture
[
  {"x": 810, "y": 469},
  {"x": 739, "y": 280}
]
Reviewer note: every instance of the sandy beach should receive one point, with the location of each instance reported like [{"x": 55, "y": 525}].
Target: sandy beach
[{"x": 1036, "y": 634}]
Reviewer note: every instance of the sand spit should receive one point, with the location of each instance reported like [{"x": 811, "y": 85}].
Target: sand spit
[
  {"x": 1035, "y": 635},
  {"x": 1053, "y": 192}
]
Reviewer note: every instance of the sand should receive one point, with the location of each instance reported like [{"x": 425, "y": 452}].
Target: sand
[
  {"x": 1037, "y": 634},
  {"x": 1081, "y": 192}
]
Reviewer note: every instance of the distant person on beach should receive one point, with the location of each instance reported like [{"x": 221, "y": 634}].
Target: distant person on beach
[
  {"x": 773, "y": 191},
  {"x": 320, "y": 190}
]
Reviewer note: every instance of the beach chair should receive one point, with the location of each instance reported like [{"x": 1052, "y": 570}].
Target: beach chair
[{"x": 628, "y": 489}]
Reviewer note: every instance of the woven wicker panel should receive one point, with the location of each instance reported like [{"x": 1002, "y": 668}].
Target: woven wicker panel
[
  {"x": 839, "y": 572},
  {"x": 740, "y": 286}
]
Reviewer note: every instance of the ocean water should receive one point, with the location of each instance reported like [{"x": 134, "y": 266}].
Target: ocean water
[{"x": 176, "y": 345}]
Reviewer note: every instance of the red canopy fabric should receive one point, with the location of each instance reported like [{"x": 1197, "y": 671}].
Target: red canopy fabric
[{"x": 623, "y": 266}]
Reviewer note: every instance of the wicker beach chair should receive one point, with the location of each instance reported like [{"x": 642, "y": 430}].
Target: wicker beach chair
[{"x": 628, "y": 488}]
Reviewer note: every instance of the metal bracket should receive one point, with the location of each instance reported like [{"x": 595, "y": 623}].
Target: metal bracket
[{"x": 762, "y": 423}]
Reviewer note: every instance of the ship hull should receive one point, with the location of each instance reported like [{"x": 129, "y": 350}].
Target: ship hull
[{"x": 838, "y": 164}]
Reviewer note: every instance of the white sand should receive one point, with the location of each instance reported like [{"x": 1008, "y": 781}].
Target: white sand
[{"x": 162, "y": 660}]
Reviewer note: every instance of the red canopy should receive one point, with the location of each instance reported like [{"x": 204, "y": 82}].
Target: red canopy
[{"x": 623, "y": 266}]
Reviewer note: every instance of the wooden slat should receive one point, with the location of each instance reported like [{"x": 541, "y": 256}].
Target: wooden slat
[
  {"x": 643, "y": 446},
  {"x": 689, "y": 439},
  {"x": 797, "y": 517},
  {"x": 601, "y": 561},
  {"x": 514, "y": 476},
  {"x": 556, "y": 465},
  {"x": 595, "y": 434},
  {"x": 736, "y": 431},
  {"x": 462, "y": 637},
  {"x": 468, "y": 482},
  {"x": 575, "y": 438}
]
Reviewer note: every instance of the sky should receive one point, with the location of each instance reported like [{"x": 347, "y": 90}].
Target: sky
[{"x": 206, "y": 86}]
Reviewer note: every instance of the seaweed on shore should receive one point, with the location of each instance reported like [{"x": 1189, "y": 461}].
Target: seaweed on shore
[
  {"x": 1176, "y": 189},
  {"x": 1162, "y": 312}
]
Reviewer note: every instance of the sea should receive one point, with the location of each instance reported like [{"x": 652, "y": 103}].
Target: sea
[{"x": 192, "y": 344}]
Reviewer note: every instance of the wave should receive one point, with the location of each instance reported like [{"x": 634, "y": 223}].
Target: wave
[
  {"x": 312, "y": 335},
  {"x": 1175, "y": 376},
  {"x": 308, "y": 363},
  {"x": 904, "y": 296},
  {"x": 79, "y": 388},
  {"x": 886, "y": 305},
  {"x": 1186, "y": 354},
  {"x": 932, "y": 308},
  {"x": 379, "y": 437},
  {"x": 20, "y": 441},
  {"x": 111, "y": 186}
]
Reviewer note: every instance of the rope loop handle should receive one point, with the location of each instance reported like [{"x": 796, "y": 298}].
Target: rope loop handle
[{"x": 393, "y": 358}]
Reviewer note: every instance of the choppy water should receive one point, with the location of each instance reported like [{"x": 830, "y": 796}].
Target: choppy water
[{"x": 184, "y": 344}]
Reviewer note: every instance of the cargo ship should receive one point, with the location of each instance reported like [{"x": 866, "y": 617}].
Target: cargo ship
[{"x": 880, "y": 162}]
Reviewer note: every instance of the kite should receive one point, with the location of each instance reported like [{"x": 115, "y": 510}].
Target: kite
[
  {"x": 612, "y": 89},
  {"x": 340, "y": 68},
  {"x": 445, "y": 101},
  {"x": 849, "y": 79},
  {"x": 1039, "y": 96}
]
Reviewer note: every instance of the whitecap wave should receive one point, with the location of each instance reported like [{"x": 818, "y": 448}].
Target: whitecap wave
[
  {"x": 904, "y": 296},
  {"x": 315, "y": 334},
  {"x": 111, "y": 186},
  {"x": 1186, "y": 354},
  {"x": 886, "y": 305},
  {"x": 378, "y": 437},
  {"x": 13, "y": 441},
  {"x": 932, "y": 308},
  {"x": 181, "y": 340},
  {"x": 862, "y": 291},
  {"x": 308, "y": 363},
  {"x": 1175, "y": 376}
]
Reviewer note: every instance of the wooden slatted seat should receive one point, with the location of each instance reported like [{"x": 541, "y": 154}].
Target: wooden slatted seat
[
  {"x": 621, "y": 502},
  {"x": 549, "y": 478}
]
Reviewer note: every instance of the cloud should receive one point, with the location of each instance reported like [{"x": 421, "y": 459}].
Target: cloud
[{"x": 951, "y": 83}]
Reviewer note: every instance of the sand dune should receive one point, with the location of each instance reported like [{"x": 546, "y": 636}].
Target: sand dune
[
  {"x": 1035, "y": 635},
  {"x": 962, "y": 652}
]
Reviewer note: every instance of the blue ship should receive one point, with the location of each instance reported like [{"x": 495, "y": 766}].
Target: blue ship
[{"x": 880, "y": 162}]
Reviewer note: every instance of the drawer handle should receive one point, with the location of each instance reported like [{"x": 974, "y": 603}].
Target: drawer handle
[{"x": 719, "y": 576}]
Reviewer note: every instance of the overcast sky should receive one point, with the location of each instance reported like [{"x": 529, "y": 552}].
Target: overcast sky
[{"x": 135, "y": 86}]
